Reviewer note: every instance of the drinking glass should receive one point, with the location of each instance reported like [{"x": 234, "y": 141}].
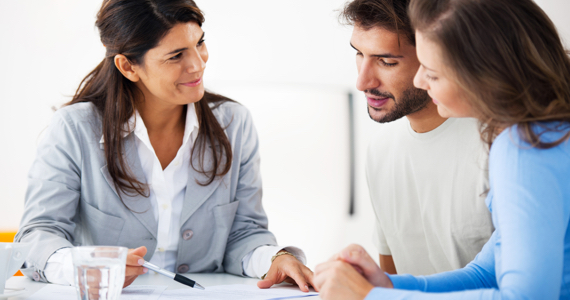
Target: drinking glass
[{"x": 99, "y": 272}]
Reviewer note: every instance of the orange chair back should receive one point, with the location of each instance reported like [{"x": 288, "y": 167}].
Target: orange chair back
[{"x": 8, "y": 237}]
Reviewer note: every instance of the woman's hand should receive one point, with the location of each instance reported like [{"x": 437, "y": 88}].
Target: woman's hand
[
  {"x": 350, "y": 274},
  {"x": 359, "y": 259},
  {"x": 134, "y": 265},
  {"x": 339, "y": 280},
  {"x": 289, "y": 269}
]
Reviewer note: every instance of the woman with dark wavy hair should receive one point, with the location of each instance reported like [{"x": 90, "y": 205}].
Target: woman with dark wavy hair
[
  {"x": 143, "y": 157},
  {"x": 502, "y": 62}
]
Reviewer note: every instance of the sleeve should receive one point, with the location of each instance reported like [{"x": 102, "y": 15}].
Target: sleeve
[
  {"x": 529, "y": 202},
  {"x": 250, "y": 226},
  {"x": 475, "y": 281},
  {"x": 52, "y": 196},
  {"x": 527, "y": 186},
  {"x": 59, "y": 268},
  {"x": 380, "y": 240},
  {"x": 480, "y": 273}
]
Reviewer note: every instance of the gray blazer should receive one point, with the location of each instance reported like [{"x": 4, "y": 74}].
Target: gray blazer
[{"x": 71, "y": 199}]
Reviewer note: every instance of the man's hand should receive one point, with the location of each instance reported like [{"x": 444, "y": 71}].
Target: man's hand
[
  {"x": 134, "y": 265},
  {"x": 289, "y": 269}
]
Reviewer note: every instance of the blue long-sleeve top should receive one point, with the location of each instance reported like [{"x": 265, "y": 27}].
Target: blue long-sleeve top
[{"x": 528, "y": 255}]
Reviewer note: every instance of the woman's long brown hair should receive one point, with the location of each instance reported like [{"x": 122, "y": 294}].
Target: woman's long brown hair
[
  {"x": 131, "y": 28},
  {"x": 508, "y": 57}
]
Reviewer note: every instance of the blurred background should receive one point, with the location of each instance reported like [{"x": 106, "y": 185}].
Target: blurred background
[{"x": 289, "y": 62}]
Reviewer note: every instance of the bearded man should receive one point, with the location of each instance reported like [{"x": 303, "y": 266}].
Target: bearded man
[{"x": 426, "y": 174}]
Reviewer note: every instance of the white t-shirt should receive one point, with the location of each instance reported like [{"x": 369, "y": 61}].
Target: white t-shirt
[{"x": 428, "y": 193}]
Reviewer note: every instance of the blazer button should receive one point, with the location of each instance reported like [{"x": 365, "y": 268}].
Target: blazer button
[
  {"x": 183, "y": 269},
  {"x": 188, "y": 234},
  {"x": 36, "y": 276}
]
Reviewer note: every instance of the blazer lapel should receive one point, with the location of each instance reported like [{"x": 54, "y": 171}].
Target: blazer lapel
[
  {"x": 140, "y": 206},
  {"x": 197, "y": 194}
]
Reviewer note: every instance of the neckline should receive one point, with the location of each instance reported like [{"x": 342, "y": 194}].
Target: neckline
[{"x": 430, "y": 134}]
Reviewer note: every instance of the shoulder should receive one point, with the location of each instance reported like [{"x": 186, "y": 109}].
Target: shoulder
[
  {"x": 548, "y": 132},
  {"x": 511, "y": 148},
  {"x": 231, "y": 114},
  {"x": 464, "y": 126},
  {"x": 507, "y": 139},
  {"x": 459, "y": 138},
  {"x": 78, "y": 122},
  {"x": 78, "y": 115},
  {"x": 462, "y": 130}
]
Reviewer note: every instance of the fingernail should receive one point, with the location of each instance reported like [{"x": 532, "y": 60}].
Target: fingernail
[
  {"x": 307, "y": 287},
  {"x": 145, "y": 270},
  {"x": 141, "y": 261}
]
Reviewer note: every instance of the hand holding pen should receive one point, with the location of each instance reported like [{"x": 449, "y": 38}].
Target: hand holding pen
[
  {"x": 177, "y": 277},
  {"x": 136, "y": 266}
]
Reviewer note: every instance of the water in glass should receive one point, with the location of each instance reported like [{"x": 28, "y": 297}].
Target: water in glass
[{"x": 99, "y": 274}]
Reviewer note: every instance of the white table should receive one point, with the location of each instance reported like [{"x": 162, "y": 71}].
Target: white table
[{"x": 147, "y": 279}]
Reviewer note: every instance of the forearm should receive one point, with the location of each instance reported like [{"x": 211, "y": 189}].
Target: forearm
[
  {"x": 480, "y": 273},
  {"x": 392, "y": 294},
  {"x": 387, "y": 264},
  {"x": 468, "y": 278},
  {"x": 238, "y": 249},
  {"x": 471, "y": 282}
]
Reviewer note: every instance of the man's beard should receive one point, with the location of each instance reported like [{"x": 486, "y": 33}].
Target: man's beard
[{"x": 412, "y": 100}]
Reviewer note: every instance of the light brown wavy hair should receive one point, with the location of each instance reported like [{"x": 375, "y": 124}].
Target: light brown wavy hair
[
  {"x": 131, "y": 28},
  {"x": 508, "y": 57}
]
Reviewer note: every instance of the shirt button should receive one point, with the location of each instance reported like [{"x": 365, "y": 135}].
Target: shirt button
[
  {"x": 183, "y": 268},
  {"x": 188, "y": 234},
  {"x": 165, "y": 206},
  {"x": 36, "y": 276},
  {"x": 160, "y": 249}
]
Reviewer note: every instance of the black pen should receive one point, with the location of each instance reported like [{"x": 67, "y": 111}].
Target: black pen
[{"x": 182, "y": 279}]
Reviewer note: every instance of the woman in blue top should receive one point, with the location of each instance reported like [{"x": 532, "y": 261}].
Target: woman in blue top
[{"x": 502, "y": 62}]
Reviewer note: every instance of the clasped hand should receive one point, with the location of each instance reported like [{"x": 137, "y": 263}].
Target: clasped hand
[{"x": 349, "y": 274}]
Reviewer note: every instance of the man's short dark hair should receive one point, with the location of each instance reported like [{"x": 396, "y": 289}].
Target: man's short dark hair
[{"x": 391, "y": 15}]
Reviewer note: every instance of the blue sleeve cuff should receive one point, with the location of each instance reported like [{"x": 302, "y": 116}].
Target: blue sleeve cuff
[
  {"x": 406, "y": 282},
  {"x": 400, "y": 282}
]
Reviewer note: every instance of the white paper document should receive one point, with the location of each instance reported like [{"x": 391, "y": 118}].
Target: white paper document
[
  {"x": 60, "y": 292},
  {"x": 236, "y": 292}
]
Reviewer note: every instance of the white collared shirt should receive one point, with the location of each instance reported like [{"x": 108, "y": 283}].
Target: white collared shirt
[
  {"x": 167, "y": 190},
  {"x": 167, "y": 187}
]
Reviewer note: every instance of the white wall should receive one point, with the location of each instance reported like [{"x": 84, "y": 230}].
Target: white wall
[
  {"x": 47, "y": 48},
  {"x": 558, "y": 10}
]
